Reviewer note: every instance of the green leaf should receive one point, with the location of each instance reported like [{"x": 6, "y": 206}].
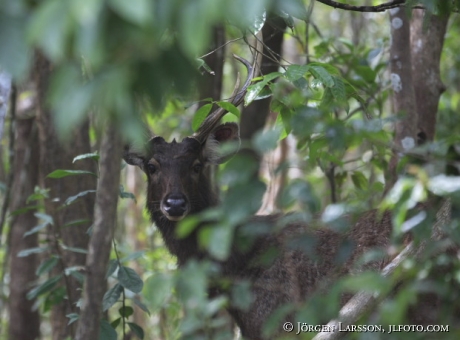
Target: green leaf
[
  {"x": 24, "y": 210},
  {"x": 47, "y": 265},
  {"x": 72, "y": 318},
  {"x": 327, "y": 100},
  {"x": 255, "y": 89},
  {"x": 106, "y": 331},
  {"x": 129, "y": 279},
  {"x": 126, "y": 311},
  {"x": 137, "y": 330},
  {"x": 230, "y": 108},
  {"x": 258, "y": 23},
  {"x": 50, "y": 27},
  {"x": 141, "y": 305},
  {"x": 338, "y": 90},
  {"x": 201, "y": 63},
  {"x": 200, "y": 116},
  {"x": 133, "y": 256},
  {"x": 27, "y": 252},
  {"x": 45, "y": 217},
  {"x": 135, "y": 11},
  {"x": 332, "y": 70},
  {"x": 38, "y": 194},
  {"x": 45, "y": 287},
  {"x": 294, "y": 72},
  {"x": 187, "y": 225},
  {"x": 14, "y": 54},
  {"x": 158, "y": 289},
  {"x": 296, "y": 8},
  {"x": 286, "y": 116},
  {"x": 72, "y": 199},
  {"x": 76, "y": 272},
  {"x": 35, "y": 229},
  {"x": 288, "y": 19},
  {"x": 124, "y": 194},
  {"x": 220, "y": 241},
  {"x": 115, "y": 322},
  {"x": 93, "y": 155},
  {"x": 241, "y": 295},
  {"x": 65, "y": 173},
  {"x": 266, "y": 140},
  {"x": 359, "y": 180},
  {"x": 113, "y": 265},
  {"x": 320, "y": 73},
  {"x": 111, "y": 296},
  {"x": 74, "y": 249},
  {"x": 77, "y": 222},
  {"x": 68, "y": 94}
]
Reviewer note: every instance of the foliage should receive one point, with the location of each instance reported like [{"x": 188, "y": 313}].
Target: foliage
[{"x": 138, "y": 61}]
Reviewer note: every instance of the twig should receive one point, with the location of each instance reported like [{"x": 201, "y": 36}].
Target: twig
[
  {"x": 379, "y": 8},
  {"x": 307, "y": 30},
  {"x": 219, "y": 47}
]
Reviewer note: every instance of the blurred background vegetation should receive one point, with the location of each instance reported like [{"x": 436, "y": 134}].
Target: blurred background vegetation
[{"x": 77, "y": 66}]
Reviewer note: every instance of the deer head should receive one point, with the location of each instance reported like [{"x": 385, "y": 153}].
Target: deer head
[{"x": 178, "y": 173}]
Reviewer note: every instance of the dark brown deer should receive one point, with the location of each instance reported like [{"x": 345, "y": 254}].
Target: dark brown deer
[{"x": 179, "y": 185}]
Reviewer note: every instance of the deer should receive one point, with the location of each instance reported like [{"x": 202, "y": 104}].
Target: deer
[{"x": 179, "y": 185}]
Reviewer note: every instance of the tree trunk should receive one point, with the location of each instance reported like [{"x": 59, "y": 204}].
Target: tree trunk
[
  {"x": 425, "y": 68},
  {"x": 54, "y": 155},
  {"x": 403, "y": 90},
  {"x": 103, "y": 229},
  {"x": 24, "y": 320}
]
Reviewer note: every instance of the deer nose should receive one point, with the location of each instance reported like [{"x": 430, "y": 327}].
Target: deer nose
[{"x": 175, "y": 206}]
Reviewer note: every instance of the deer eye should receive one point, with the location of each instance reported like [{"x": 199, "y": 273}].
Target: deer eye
[
  {"x": 197, "y": 168},
  {"x": 152, "y": 168}
]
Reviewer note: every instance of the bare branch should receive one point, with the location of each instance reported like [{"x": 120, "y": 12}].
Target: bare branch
[{"x": 379, "y": 8}]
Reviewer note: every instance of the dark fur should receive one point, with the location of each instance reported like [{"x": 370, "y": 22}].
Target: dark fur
[{"x": 295, "y": 273}]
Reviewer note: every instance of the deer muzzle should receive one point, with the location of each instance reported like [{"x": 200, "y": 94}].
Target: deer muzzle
[{"x": 175, "y": 207}]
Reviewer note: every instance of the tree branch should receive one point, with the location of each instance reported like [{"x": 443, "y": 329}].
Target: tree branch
[{"x": 379, "y": 8}]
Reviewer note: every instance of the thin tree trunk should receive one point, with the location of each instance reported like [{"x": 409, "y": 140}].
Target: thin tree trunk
[
  {"x": 24, "y": 320},
  {"x": 5, "y": 88},
  {"x": 54, "y": 155},
  {"x": 101, "y": 238},
  {"x": 425, "y": 68},
  {"x": 403, "y": 90},
  {"x": 133, "y": 220}
]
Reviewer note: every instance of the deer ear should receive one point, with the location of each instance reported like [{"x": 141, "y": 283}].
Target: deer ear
[
  {"x": 132, "y": 157},
  {"x": 228, "y": 132}
]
